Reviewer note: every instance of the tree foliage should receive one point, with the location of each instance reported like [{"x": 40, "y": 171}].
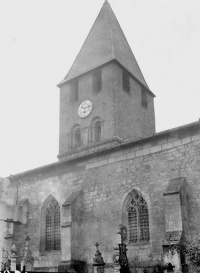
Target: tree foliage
[{"x": 191, "y": 249}]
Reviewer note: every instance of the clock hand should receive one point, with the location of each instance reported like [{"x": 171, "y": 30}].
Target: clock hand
[
  {"x": 82, "y": 107},
  {"x": 87, "y": 106}
]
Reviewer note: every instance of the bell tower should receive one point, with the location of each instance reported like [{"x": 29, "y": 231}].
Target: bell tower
[{"x": 104, "y": 95}]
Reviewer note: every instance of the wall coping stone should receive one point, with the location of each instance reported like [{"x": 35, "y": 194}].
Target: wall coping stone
[
  {"x": 71, "y": 198},
  {"x": 174, "y": 186}
]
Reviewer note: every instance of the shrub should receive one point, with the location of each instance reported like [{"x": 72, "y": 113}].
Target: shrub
[{"x": 191, "y": 249}]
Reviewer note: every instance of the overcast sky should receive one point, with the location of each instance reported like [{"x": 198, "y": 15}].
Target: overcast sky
[{"x": 39, "y": 41}]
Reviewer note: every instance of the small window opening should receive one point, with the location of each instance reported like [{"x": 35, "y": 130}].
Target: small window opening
[
  {"x": 126, "y": 82},
  {"x": 77, "y": 138},
  {"x": 97, "y": 131},
  {"x": 74, "y": 90},
  {"x": 144, "y": 98},
  {"x": 97, "y": 81}
]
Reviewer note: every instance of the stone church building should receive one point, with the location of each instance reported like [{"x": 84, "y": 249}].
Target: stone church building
[{"x": 113, "y": 169}]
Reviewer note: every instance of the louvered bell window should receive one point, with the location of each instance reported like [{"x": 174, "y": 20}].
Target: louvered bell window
[
  {"x": 97, "y": 80},
  {"x": 126, "y": 81},
  {"x": 144, "y": 98}
]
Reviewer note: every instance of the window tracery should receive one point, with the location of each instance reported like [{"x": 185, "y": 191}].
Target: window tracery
[
  {"x": 138, "y": 219},
  {"x": 52, "y": 231}
]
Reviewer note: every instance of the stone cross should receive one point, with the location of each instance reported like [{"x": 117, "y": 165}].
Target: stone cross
[
  {"x": 98, "y": 260},
  {"x": 97, "y": 245}
]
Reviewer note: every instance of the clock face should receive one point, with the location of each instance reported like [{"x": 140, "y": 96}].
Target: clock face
[{"x": 85, "y": 109}]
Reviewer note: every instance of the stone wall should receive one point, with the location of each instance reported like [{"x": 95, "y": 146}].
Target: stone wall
[
  {"x": 131, "y": 118},
  {"x": 122, "y": 113},
  {"x": 102, "y": 105},
  {"x": 106, "y": 178}
]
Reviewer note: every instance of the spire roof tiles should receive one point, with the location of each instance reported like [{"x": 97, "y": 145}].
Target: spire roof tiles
[{"x": 104, "y": 43}]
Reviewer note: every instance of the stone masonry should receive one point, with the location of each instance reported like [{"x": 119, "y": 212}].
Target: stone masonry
[
  {"x": 82, "y": 199},
  {"x": 106, "y": 178}
]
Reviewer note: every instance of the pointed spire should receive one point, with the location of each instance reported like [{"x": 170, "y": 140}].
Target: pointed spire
[
  {"x": 106, "y": 2},
  {"x": 104, "y": 43}
]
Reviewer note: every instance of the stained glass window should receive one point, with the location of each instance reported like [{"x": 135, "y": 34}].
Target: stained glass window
[
  {"x": 132, "y": 225},
  {"x": 52, "y": 232},
  {"x": 138, "y": 219}
]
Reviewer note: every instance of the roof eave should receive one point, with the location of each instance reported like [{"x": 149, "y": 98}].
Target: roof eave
[{"x": 102, "y": 64}]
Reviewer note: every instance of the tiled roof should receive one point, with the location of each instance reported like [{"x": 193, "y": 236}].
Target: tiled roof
[{"x": 104, "y": 43}]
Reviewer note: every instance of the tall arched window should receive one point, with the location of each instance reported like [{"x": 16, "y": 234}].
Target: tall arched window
[
  {"x": 96, "y": 130},
  {"x": 76, "y": 137},
  {"x": 52, "y": 224},
  {"x": 138, "y": 218}
]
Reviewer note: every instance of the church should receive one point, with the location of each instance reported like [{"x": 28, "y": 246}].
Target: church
[{"x": 113, "y": 171}]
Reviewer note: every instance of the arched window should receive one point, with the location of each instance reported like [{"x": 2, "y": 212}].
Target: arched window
[
  {"x": 76, "y": 137},
  {"x": 138, "y": 219},
  {"x": 96, "y": 130},
  {"x": 52, "y": 224}
]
